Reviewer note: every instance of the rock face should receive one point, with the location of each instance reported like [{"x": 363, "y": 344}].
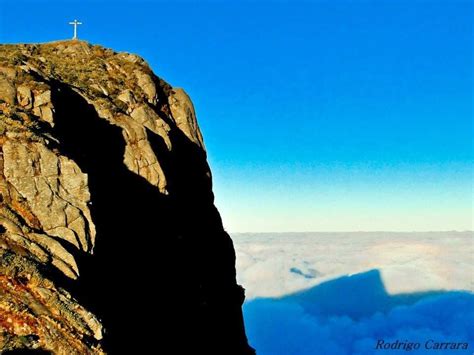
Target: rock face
[{"x": 109, "y": 237}]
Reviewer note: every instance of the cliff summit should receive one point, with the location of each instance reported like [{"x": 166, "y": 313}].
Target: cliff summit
[{"x": 109, "y": 238}]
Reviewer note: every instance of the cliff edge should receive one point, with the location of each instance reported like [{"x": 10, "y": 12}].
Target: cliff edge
[{"x": 109, "y": 238}]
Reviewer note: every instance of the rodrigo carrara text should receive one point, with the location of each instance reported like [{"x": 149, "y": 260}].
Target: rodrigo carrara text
[{"x": 429, "y": 344}]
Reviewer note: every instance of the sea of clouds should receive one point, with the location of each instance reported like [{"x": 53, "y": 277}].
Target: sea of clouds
[{"x": 344, "y": 293}]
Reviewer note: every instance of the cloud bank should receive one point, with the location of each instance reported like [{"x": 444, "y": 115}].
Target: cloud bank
[{"x": 418, "y": 290}]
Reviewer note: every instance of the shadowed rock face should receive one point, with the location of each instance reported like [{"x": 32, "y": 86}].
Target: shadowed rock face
[{"x": 109, "y": 237}]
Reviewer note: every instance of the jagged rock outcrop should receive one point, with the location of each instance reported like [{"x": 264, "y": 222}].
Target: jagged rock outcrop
[{"x": 109, "y": 237}]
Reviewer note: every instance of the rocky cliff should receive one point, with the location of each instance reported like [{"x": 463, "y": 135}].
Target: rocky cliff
[{"x": 109, "y": 237}]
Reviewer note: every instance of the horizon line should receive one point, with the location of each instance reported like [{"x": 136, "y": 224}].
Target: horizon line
[{"x": 355, "y": 231}]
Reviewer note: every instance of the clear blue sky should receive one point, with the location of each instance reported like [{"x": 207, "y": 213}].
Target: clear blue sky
[{"x": 318, "y": 115}]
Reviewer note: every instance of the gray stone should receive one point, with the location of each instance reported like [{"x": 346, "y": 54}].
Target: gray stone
[
  {"x": 182, "y": 110},
  {"x": 7, "y": 91},
  {"x": 145, "y": 82},
  {"x": 25, "y": 97},
  {"x": 42, "y": 98}
]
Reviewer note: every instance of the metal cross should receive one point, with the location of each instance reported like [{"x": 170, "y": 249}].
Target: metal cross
[{"x": 75, "y": 23}]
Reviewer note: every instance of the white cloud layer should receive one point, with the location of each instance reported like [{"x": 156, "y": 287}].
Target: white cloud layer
[
  {"x": 270, "y": 265},
  {"x": 301, "y": 301}
]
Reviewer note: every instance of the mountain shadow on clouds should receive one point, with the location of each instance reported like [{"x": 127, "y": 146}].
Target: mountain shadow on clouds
[
  {"x": 348, "y": 315},
  {"x": 355, "y": 296}
]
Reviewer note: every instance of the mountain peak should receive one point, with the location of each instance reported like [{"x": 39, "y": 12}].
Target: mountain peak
[{"x": 104, "y": 190}]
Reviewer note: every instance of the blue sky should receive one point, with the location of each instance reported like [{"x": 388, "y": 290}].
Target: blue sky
[{"x": 317, "y": 115}]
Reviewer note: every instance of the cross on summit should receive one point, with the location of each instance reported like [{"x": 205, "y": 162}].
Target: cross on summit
[{"x": 75, "y": 23}]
